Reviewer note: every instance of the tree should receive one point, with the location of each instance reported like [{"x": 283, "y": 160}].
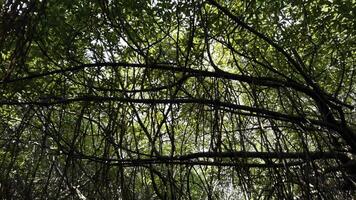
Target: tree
[{"x": 177, "y": 99}]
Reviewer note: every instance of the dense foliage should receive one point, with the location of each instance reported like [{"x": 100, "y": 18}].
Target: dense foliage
[{"x": 244, "y": 99}]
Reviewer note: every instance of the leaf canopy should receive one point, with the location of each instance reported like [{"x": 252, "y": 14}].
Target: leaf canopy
[{"x": 177, "y": 99}]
